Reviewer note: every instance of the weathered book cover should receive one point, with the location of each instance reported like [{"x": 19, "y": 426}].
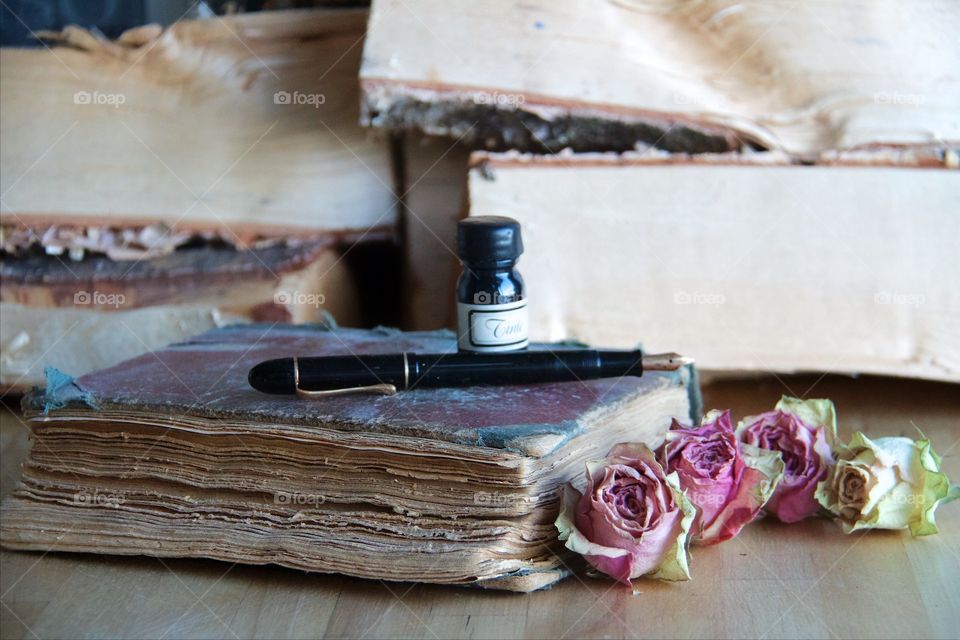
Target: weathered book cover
[{"x": 173, "y": 454}]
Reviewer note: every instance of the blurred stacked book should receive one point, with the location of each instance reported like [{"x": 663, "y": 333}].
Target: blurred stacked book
[
  {"x": 708, "y": 76},
  {"x": 173, "y": 454},
  {"x": 177, "y": 180},
  {"x": 751, "y": 262}
]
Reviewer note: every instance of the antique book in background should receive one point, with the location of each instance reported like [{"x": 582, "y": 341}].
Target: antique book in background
[
  {"x": 717, "y": 75},
  {"x": 244, "y": 126},
  {"x": 748, "y": 262},
  {"x": 86, "y": 315},
  {"x": 173, "y": 454},
  {"x": 175, "y": 180}
]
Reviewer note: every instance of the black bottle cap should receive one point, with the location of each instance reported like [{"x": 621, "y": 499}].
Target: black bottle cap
[{"x": 489, "y": 240}]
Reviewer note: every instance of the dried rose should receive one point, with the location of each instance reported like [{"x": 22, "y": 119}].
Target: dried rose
[
  {"x": 632, "y": 520},
  {"x": 728, "y": 481},
  {"x": 803, "y": 431},
  {"x": 887, "y": 483}
]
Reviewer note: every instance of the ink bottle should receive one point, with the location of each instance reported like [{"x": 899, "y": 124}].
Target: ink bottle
[{"x": 491, "y": 301}]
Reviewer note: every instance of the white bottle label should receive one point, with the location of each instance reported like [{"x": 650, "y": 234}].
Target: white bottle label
[{"x": 492, "y": 327}]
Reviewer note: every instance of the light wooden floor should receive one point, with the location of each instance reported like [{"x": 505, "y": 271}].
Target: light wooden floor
[{"x": 806, "y": 580}]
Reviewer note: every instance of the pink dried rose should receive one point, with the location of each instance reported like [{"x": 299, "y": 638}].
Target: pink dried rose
[
  {"x": 728, "y": 481},
  {"x": 632, "y": 520},
  {"x": 803, "y": 431}
]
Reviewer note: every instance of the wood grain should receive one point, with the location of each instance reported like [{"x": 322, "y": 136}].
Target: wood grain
[{"x": 775, "y": 581}]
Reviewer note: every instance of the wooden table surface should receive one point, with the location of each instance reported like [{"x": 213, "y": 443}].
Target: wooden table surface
[{"x": 804, "y": 580}]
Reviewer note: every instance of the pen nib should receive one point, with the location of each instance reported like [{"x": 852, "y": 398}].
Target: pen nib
[{"x": 665, "y": 361}]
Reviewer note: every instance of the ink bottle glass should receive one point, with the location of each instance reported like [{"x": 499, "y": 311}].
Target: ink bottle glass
[{"x": 491, "y": 301}]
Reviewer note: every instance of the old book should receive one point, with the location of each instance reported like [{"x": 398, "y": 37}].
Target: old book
[
  {"x": 684, "y": 76},
  {"x": 151, "y": 170},
  {"x": 173, "y": 454},
  {"x": 243, "y": 126},
  {"x": 84, "y": 315},
  {"x": 745, "y": 262}
]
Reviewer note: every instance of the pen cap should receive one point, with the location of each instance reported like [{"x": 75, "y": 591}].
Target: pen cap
[{"x": 489, "y": 241}]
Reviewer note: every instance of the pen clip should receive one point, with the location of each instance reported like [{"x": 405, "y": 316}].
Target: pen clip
[{"x": 381, "y": 389}]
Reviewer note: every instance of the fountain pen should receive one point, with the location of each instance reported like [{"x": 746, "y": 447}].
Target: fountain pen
[{"x": 318, "y": 377}]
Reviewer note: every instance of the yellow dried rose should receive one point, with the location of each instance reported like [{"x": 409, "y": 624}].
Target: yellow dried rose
[{"x": 887, "y": 483}]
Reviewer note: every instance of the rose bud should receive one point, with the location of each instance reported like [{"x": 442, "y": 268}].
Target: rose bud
[
  {"x": 803, "y": 432},
  {"x": 887, "y": 483},
  {"x": 632, "y": 520},
  {"x": 728, "y": 481}
]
